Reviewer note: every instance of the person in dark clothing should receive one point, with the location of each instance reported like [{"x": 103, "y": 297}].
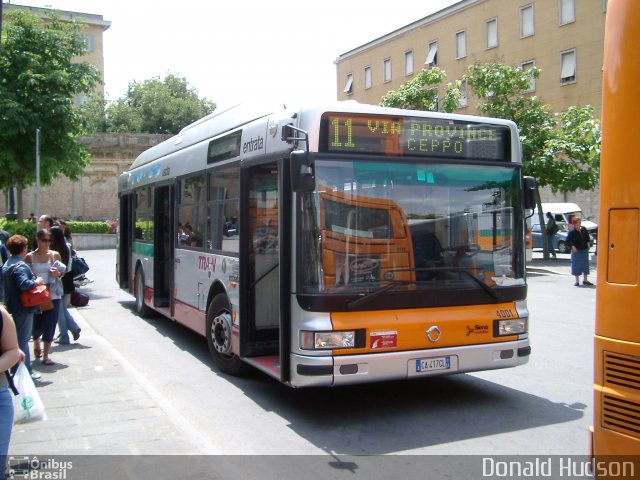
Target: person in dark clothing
[
  {"x": 552, "y": 229},
  {"x": 580, "y": 240}
]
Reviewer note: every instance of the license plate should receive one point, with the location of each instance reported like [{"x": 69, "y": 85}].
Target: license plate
[{"x": 433, "y": 364}]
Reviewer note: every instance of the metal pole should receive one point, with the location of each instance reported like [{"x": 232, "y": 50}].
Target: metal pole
[{"x": 37, "y": 173}]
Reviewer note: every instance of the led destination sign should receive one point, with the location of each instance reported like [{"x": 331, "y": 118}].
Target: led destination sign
[{"x": 416, "y": 136}]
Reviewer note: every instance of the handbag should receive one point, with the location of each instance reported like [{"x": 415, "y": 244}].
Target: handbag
[
  {"x": 79, "y": 299},
  {"x": 27, "y": 404},
  {"x": 38, "y": 295},
  {"x": 48, "y": 305}
]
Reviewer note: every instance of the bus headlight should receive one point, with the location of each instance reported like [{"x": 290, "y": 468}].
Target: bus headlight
[
  {"x": 327, "y": 340},
  {"x": 513, "y": 326}
]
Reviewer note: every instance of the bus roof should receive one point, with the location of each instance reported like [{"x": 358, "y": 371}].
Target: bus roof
[
  {"x": 236, "y": 116},
  {"x": 207, "y": 127}
]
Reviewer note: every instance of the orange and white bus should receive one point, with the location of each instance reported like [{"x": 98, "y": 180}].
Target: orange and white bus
[
  {"x": 334, "y": 245},
  {"x": 616, "y": 429}
]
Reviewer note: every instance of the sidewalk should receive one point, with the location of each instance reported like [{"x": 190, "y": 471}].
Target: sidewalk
[
  {"x": 97, "y": 404},
  {"x": 559, "y": 266}
]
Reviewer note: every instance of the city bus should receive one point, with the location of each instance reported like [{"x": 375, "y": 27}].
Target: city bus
[
  {"x": 616, "y": 427},
  {"x": 334, "y": 245}
]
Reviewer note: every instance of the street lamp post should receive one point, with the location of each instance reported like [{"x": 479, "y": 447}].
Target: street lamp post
[{"x": 37, "y": 202}]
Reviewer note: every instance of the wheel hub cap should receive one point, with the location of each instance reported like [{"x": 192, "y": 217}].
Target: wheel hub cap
[{"x": 221, "y": 333}]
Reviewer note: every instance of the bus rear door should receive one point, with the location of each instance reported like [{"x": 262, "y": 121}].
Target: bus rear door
[
  {"x": 163, "y": 256},
  {"x": 125, "y": 240}
]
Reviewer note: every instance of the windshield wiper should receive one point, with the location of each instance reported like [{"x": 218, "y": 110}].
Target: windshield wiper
[
  {"x": 376, "y": 293},
  {"x": 495, "y": 295},
  {"x": 490, "y": 291}
]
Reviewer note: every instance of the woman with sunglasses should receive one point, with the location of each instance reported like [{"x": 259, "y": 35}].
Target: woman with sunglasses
[{"x": 42, "y": 261}]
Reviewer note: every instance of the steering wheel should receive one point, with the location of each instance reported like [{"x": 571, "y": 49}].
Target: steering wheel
[{"x": 472, "y": 249}]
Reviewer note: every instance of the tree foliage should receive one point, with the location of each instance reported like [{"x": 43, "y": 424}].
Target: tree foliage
[
  {"x": 151, "y": 106},
  {"x": 572, "y": 153},
  {"x": 38, "y": 85},
  {"x": 421, "y": 93}
]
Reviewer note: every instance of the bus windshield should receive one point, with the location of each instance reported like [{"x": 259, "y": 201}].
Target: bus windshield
[{"x": 411, "y": 226}]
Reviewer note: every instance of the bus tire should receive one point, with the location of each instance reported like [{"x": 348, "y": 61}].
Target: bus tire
[
  {"x": 219, "y": 336},
  {"x": 141, "y": 307}
]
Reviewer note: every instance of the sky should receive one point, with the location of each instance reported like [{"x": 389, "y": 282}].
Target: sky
[{"x": 242, "y": 50}]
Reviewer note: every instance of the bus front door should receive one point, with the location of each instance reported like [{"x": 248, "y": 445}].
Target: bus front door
[{"x": 259, "y": 330}]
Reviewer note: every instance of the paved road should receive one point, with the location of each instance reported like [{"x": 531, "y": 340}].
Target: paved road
[{"x": 146, "y": 387}]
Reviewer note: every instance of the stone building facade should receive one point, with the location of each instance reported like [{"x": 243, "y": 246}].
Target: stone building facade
[{"x": 94, "y": 196}]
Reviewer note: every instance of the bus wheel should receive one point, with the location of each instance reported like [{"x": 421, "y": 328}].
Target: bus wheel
[
  {"x": 141, "y": 307},
  {"x": 219, "y": 336}
]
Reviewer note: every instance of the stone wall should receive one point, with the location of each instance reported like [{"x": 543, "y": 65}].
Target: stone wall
[{"x": 94, "y": 196}]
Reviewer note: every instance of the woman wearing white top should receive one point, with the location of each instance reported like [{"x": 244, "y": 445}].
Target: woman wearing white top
[{"x": 42, "y": 261}]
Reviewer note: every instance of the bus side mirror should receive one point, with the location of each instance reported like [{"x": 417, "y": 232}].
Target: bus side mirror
[
  {"x": 529, "y": 190},
  {"x": 302, "y": 169}
]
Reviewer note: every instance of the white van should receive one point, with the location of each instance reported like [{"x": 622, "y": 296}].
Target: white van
[{"x": 561, "y": 212}]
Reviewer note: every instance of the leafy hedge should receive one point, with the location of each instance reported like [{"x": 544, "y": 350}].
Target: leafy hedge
[
  {"x": 88, "y": 227},
  {"x": 12, "y": 227},
  {"x": 28, "y": 229}
]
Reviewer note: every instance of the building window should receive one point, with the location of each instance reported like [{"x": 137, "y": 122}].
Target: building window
[
  {"x": 567, "y": 11},
  {"x": 89, "y": 42},
  {"x": 432, "y": 54},
  {"x": 387, "y": 70},
  {"x": 81, "y": 100},
  {"x": 408, "y": 62},
  {"x": 527, "y": 21},
  {"x": 348, "y": 87},
  {"x": 463, "y": 102},
  {"x": 367, "y": 77},
  {"x": 532, "y": 80},
  {"x": 461, "y": 44},
  {"x": 568, "y": 67},
  {"x": 492, "y": 33}
]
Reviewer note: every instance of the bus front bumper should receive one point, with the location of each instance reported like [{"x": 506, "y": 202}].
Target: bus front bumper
[{"x": 307, "y": 371}]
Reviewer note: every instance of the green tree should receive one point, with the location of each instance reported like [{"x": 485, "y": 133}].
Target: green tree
[
  {"x": 154, "y": 106},
  {"x": 38, "y": 84},
  {"x": 502, "y": 91},
  {"x": 572, "y": 153},
  {"x": 421, "y": 92},
  {"x": 560, "y": 150},
  {"x": 94, "y": 113}
]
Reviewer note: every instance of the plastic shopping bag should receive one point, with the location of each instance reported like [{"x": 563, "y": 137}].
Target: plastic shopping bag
[{"x": 27, "y": 405}]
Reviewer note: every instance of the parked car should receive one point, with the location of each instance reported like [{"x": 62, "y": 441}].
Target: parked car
[
  {"x": 559, "y": 239},
  {"x": 561, "y": 213}
]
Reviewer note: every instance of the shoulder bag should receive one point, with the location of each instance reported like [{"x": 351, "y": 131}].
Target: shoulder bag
[
  {"x": 79, "y": 266},
  {"x": 37, "y": 296}
]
